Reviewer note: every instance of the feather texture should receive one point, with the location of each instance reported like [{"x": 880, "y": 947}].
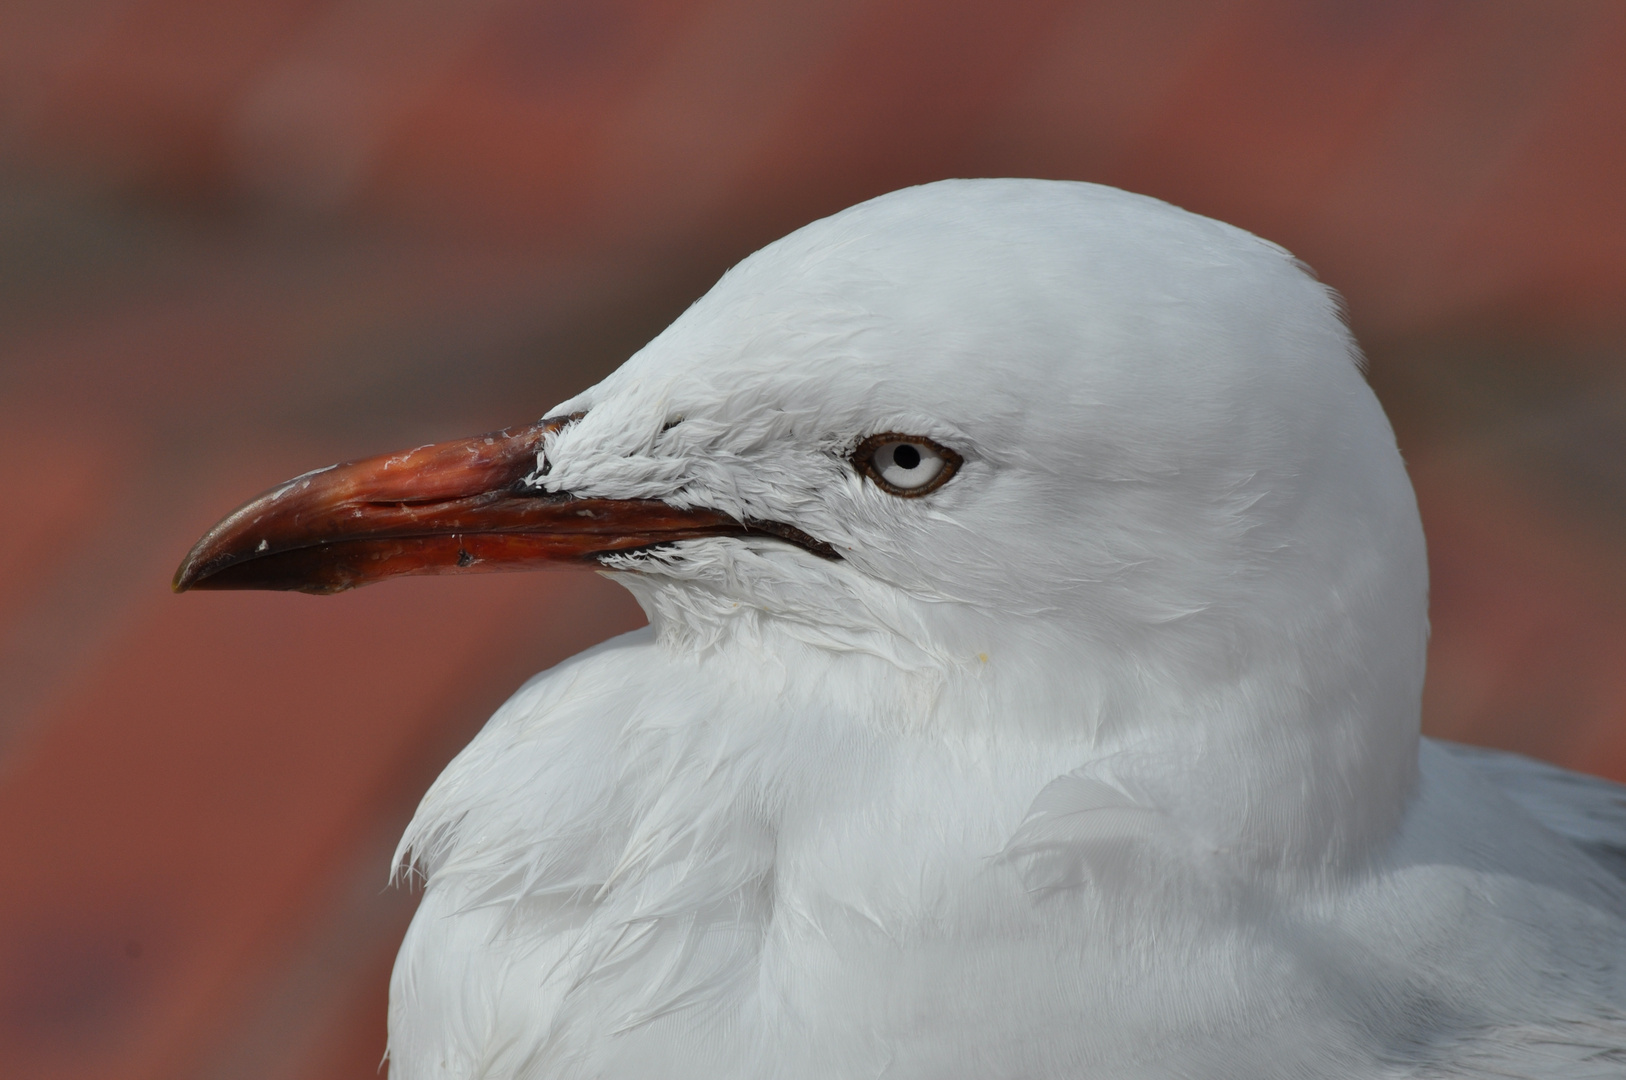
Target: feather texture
[
  {"x": 1100, "y": 760},
  {"x": 1588, "y": 811}
]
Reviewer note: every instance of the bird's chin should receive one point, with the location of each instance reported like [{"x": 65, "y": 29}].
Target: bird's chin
[{"x": 461, "y": 507}]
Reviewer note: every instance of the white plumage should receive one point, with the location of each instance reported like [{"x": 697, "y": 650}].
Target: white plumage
[{"x": 1100, "y": 760}]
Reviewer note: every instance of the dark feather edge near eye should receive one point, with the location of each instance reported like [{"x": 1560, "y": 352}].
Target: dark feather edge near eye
[{"x": 863, "y": 459}]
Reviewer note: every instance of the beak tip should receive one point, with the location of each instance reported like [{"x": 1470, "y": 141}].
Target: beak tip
[
  {"x": 186, "y": 578},
  {"x": 194, "y": 569},
  {"x": 185, "y": 575}
]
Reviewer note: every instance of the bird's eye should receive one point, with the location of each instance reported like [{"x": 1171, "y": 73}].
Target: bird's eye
[{"x": 907, "y": 465}]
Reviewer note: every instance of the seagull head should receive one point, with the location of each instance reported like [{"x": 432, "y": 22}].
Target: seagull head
[{"x": 1094, "y": 468}]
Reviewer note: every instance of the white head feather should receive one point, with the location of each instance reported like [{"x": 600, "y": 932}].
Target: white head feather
[
  {"x": 1181, "y": 512},
  {"x": 1157, "y": 646}
]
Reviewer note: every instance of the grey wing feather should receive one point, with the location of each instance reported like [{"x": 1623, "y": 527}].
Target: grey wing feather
[
  {"x": 1587, "y": 810},
  {"x": 1577, "y": 1048}
]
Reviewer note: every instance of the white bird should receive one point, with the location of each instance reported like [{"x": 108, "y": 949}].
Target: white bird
[{"x": 1037, "y": 611}]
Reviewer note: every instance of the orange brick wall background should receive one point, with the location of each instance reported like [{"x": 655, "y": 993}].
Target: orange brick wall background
[{"x": 239, "y": 240}]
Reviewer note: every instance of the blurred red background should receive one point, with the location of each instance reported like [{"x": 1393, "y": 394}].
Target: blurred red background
[{"x": 241, "y": 240}]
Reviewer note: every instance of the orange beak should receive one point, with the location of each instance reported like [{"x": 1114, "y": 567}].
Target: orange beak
[{"x": 450, "y": 508}]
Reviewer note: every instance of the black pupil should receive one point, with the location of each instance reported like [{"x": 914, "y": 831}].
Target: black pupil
[{"x": 906, "y": 457}]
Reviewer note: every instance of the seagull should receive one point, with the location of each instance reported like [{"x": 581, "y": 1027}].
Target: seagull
[{"x": 1037, "y": 615}]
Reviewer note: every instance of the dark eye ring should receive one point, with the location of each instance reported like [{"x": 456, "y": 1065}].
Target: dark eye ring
[{"x": 908, "y": 466}]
